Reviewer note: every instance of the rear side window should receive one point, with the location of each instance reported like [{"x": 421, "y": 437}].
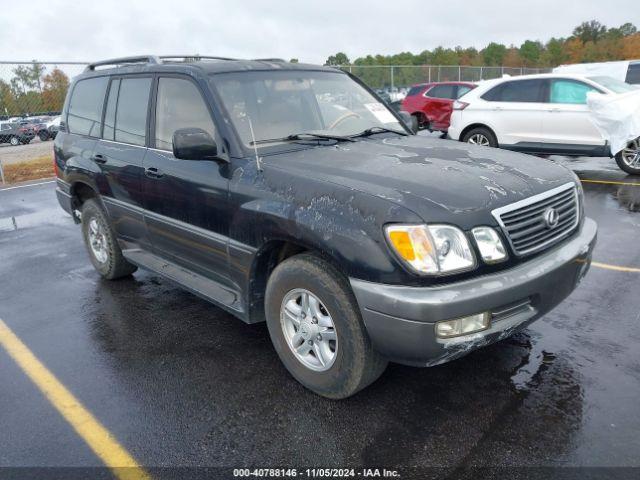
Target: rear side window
[
  {"x": 179, "y": 105},
  {"x": 570, "y": 91},
  {"x": 413, "y": 91},
  {"x": 442, "y": 91},
  {"x": 131, "y": 110},
  {"x": 110, "y": 114},
  {"x": 462, "y": 89},
  {"x": 633, "y": 74},
  {"x": 85, "y": 106},
  {"x": 517, "y": 91}
]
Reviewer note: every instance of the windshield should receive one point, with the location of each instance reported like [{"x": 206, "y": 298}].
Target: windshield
[
  {"x": 613, "y": 84},
  {"x": 280, "y": 104}
]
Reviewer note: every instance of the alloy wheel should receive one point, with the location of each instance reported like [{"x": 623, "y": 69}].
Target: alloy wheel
[
  {"x": 479, "y": 139},
  {"x": 631, "y": 154},
  {"x": 97, "y": 241},
  {"x": 309, "y": 329}
]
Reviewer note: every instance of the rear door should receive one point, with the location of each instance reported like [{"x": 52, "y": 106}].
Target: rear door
[
  {"x": 438, "y": 105},
  {"x": 120, "y": 152},
  {"x": 516, "y": 109},
  {"x": 567, "y": 121},
  {"x": 186, "y": 201}
]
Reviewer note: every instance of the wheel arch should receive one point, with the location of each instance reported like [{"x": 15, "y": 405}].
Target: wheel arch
[{"x": 470, "y": 127}]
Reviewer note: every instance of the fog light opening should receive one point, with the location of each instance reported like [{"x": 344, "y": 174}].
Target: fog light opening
[{"x": 463, "y": 325}]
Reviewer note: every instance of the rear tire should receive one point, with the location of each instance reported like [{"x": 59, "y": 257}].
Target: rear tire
[
  {"x": 100, "y": 240},
  {"x": 480, "y": 136},
  {"x": 43, "y": 135},
  {"x": 629, "y": 158},
  {"x": 353, "y": 363}
]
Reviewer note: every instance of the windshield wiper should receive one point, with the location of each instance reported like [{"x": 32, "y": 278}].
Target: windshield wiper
[
  {"x": 304, "y": 136},
  {"x": 377, "y": 129}
]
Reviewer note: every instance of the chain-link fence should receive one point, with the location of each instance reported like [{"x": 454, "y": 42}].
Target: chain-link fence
[{"x": 403, "y": 76}]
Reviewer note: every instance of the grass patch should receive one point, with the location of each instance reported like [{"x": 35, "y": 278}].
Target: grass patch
[{"x": 35, "y": 169}]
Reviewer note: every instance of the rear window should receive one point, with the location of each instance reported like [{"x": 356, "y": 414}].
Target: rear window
[
  {"x": 442, "y": 91},
  {"x": 528, "y": 91},
  {"x": 633, "y": 74},
  {"x": 413, "y": 91},
  {"x": 85, "y": 106}
]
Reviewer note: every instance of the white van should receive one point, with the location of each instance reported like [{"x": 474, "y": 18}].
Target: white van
[{"x": 627, "y": 70}]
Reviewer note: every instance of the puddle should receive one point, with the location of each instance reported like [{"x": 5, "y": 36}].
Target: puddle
[{"x": 29, "y": 220}]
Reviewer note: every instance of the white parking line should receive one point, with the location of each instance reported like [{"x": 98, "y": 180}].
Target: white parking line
[{"x": 25, "y": 186}]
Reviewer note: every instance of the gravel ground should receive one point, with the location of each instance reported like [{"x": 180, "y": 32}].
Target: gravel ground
[{"x": 23, "y": 153}]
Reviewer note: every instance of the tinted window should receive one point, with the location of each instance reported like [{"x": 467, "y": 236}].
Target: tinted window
[
  {"x": 413, "y": 91},
  {"x": 569, "y": 91},
  {"x": 179, "y": 105},
  {"x": 110, "y": 114},
  {"x": 517, "y": 91},
  {"x": 131, "y": 111},
  {"x": 85, "y": 106},
  {"x": 442, "y": 91},
  {"x": 462, "y": 89},
  {"x": 633, "y": 74}
]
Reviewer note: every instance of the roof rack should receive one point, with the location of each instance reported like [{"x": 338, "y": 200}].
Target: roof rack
[
  {"x": 124, "y": 61},
  {"x": 154, "y": 59},
  {"x": 194, "y": 57},
  {"x": 281, "y": 60}
]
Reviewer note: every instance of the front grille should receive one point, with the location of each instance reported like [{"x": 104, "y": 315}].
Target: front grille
[{"x": 526, "y": 223}]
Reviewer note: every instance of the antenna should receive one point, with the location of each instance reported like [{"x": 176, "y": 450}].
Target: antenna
[{"x": 255, "y": 148}]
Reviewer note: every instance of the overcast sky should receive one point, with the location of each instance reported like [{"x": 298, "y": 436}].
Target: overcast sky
[{"x": 88, "y": 30}]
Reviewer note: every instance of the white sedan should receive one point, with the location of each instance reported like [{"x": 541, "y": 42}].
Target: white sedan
[{"x": 540, "y": 114}]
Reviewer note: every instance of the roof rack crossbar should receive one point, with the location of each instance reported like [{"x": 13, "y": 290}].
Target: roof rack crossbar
[
  {"x": 195, "y": 57},
  {"x": 123, "y": 60},
  {"x": 269, "y": 60}
]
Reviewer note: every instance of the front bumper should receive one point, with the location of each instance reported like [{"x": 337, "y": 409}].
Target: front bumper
[{"x": 400, "y": 320}]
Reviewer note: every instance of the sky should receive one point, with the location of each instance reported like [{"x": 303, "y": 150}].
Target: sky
[{"x": 63, "y": 30}]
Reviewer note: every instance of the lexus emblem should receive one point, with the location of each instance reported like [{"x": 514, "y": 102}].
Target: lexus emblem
[{"x": 551, "y": 217}]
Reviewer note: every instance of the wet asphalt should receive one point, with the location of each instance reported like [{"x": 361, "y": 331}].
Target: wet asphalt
[{"x": 180, "y": 382}]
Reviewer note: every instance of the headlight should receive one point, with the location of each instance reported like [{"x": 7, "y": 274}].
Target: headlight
[
  {"x": 489, "y": 244},
  {"x": 432, "y": 249}
]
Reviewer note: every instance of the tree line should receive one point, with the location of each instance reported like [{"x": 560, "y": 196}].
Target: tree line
[
  {"x": 590, "y": 42},
  {"x": 32, "y": 91}
]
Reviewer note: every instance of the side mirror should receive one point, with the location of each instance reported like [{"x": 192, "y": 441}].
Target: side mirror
[
  {"x": 410, "y": 120},
  {"x": 194, "y": 144}
]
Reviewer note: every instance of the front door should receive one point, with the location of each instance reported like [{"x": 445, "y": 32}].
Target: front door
[
  {"x": 186, "y": 201},
  {"x": 568, "y": 121}
]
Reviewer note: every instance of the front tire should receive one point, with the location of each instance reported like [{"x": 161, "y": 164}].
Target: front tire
[
  {"x": 480, "y": 136},
  {"x": 316, "y": 328},
  {"x": 43, "y": 135},
  {"x": 629, "y": 158},
  {"x": 100, "y": 240},
  {"x": 14, "y": 141}
]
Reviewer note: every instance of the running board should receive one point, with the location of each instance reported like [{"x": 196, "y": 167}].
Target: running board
[{"x": 199, "y": 285}]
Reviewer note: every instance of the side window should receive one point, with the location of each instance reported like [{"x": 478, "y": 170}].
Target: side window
[
  {"x": 633, "y": 74},
  {"x": 413, "y": 91},
  {"x": 131, "y": 110},
  {"x": 569, "y": 91},
  {"x": 527, "y": 91},
  {"x": 85, "y": 106},
  {"x": 179, "y": 105},
  {"x": 442, "y": 91},
  {"x": 110, "y": 114},
  {"x": 462, "y": 89}
]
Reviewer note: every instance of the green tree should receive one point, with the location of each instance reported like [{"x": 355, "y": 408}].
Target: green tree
[
  {"x": 530, "y": 52},
  {"x": 590, "y": 31},
  {"x": 494, "y": 54},
  {"x": 339, "y": 58},
  {"x": 293, "y": 60},
  {"x": 628, "y": 29}
]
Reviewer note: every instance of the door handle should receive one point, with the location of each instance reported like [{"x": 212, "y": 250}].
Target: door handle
[
  {"x": 99, "y": 158},
  {"x": 153, "y": 172}
]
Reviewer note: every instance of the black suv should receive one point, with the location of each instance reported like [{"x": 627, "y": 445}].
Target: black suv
[{"x": 290, "y": 193}]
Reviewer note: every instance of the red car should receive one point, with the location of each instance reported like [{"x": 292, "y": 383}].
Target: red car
[{"x": 431, "y": 102}]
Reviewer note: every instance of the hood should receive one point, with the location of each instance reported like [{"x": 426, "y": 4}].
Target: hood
[{"x": 440, "y": 180}]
